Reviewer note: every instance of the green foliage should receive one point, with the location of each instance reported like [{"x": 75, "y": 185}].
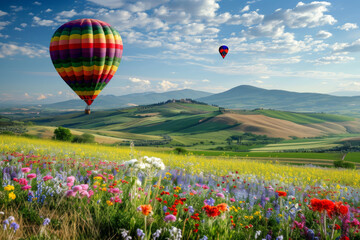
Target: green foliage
[
  {"x": 85, "y": 138},
  {"x": 180, "y": 150},
  {"x": 63, "y": 134},
  {"x": 343, "y": 164}
]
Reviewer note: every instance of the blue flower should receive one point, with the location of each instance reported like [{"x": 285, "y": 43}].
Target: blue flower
[
  {"x": 204, "y": 238},
  {"x": 46, "y": 222},
  {"x": 15, "y": 226},
  {"x": 140, "y": 233},
  {"x": 191, "y": 209}
]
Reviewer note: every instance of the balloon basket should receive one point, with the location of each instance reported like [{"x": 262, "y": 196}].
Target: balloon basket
[{"x": 87, "y": 110}]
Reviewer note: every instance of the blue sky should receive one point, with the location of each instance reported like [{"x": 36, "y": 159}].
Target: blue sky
[{"x": 303, "y": 46}]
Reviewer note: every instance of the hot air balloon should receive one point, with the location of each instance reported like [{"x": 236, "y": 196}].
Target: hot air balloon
[
  {"x": 223, "y": 50},
  {"x": 86, "y": 53}
]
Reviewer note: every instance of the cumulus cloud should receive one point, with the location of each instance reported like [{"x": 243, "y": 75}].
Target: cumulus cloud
[
  {"x": 205, "y": 80},
  {"x": 246, "y": 19},
  {"x": 245, "y": 9},
  {"x": 42, "y": 22},
  {"x": 18, "y": 29},
  {"x": 2, "y": 13},
  {"x": 48, "y": 10},
  {"x": 41, "y": 97},
  {"x": 323, "y": 34},
  {"x": 302, "y": 16},
  {"x": 23, "y": 24},
  {"x": 16, "y": 8},
  {"x": 11, "y": 49},
  {"x": 348, "y": 26},
  {"x": 139, "y": 81},
  {"x": 347, "y": 47},
  {"x": 4, "y": 35},
  {"x": 166, "y": 85},
  {"x": 67, "y": 14},
  {"x": 37, "y": 3},
  {"x": 4, "y": 24},
  {"x": 335, "y": 59}
]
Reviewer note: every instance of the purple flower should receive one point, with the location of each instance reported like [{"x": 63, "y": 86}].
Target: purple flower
[
  {"x": 46, "y": 222},
  {"x": 140, "y": 233},
  {"x": 210, "y": 202},
  {"x": 220, "y": 195},
  {"x": 15, "y": 226},
  {"x": 170, "y": 218}
]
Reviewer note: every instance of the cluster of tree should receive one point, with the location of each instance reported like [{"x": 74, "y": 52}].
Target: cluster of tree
[
  {"x": 64, "y": 134},
  {"x": 249, "y": 139},
  {"x": 13, "y": 127},
  {"x": 186, "y": 100}
]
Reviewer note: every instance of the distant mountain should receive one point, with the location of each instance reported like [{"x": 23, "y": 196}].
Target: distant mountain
[
  {"x": 111, "y": 101},
  {"x": 346, "y": 93},
  {"x": 249, "y": 97}
]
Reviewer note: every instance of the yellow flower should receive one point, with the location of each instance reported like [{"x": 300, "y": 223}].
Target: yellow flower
[
  {"x": 98, "y": 178},
  {"x": 9, "y": 188},
  {"x": 109, "y": 203},
  {"x": 12, "y": 195},
  {"x": 104, "y": 189}
]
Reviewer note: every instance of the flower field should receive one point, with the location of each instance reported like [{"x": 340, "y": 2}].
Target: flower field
[{"x": 56, "y": 190}]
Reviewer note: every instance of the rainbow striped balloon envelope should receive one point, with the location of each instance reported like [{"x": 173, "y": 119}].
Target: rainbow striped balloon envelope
[{"x": 86, "y": 53}]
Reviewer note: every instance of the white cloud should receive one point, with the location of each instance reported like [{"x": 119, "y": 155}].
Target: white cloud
[
  {"x": 348, "y": 26},
  {"x": 60, "y": 92},
  {"x": 335, "y": 59},
  {"x": 247, "y": 19},
  {"x": 4, "y": 24},
  {"x": 42, "y": 22},
  {"x": 4, "y": 36},
  {"x": 263, "y": 77},
  {"x": 23, "y": 24},
  {"x": 26, "y": 95},
  {"x": 323, "y": 34},
  {"x": 18, "y": 29},
  {"x": 41, "y": 97},
  {"x": 2, "y": 13},
  {"x": 11, "y": 49},
  {"x": 347, "y": 47},
  {"x": 16, "y": 8},
  {"x": 140, "y": 81},
  {"x": 37, "y": 3},
  {"x": 67, "y": 14},
  {"x": 48, "y": 10},
  {"x": 245, "y": 9},
  {"x": 302, "y": 16},
  {"x": 166, "y": 85},
  {"x": 205, "y": 80},
  {"x": 109, "y": 3}
]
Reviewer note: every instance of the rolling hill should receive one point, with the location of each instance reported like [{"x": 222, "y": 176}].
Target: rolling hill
[
  {"x": 134, "y": 99},
  {"x": 249, "y": 97},
  {"x": 191, "y": 122}
]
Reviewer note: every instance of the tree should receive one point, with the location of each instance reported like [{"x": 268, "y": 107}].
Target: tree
[
  {"x": 62, "y": 134},
  {"x": 229, "y": 140},
  {"x": 85, "y": 138}
]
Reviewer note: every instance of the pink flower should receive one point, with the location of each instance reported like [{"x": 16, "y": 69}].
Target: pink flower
[
  {"x": 84, "y": 193},
  {"x": 220, "y": 195},
  {"x": 115, "y": 190},
  {"x": 27, "y": 187},
  {"x": 70, "y": 193},
  {"x": 232, "y": 199},
  {"x": 23, "y": 181},
  {"x": 84, "y": 186},
  {"x": 46, "y": 178},
  {"x": 170, "y": 218},
  {"x": 205, "y": 187},
  {"x": 25, "y": 170},
  {"x": 31, "y": 175},
  {"x": 91, "y": 192},
  {"x": 70, "y": 184},
  {"x": 70, "y": 179},
  {"x": 77, "y": 188}
]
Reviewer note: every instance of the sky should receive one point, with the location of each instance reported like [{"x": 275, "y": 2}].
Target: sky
[{"x": 302, "y": 46}]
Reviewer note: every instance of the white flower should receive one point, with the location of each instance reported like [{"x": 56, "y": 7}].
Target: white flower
[
  {"x": 131, "y": 162},
  {"x": 11, "y": 219},
  {"x": 2, "y": 213},
  {"x": 138, "y": 182}
]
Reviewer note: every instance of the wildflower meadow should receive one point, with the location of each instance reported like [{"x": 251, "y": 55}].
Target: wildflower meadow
[{"x": 56, "y": 190}]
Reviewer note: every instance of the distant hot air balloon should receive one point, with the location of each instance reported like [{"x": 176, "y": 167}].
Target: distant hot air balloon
[
  {"x": 223, "y": 50},
  {"x": 86, "y": 53}
]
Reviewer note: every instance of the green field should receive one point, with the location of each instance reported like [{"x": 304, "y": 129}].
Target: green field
[{"x": 305, "y": 118}]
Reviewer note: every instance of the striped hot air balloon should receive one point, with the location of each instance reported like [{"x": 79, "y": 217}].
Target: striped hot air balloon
[{"x": 86, "y": 53}]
